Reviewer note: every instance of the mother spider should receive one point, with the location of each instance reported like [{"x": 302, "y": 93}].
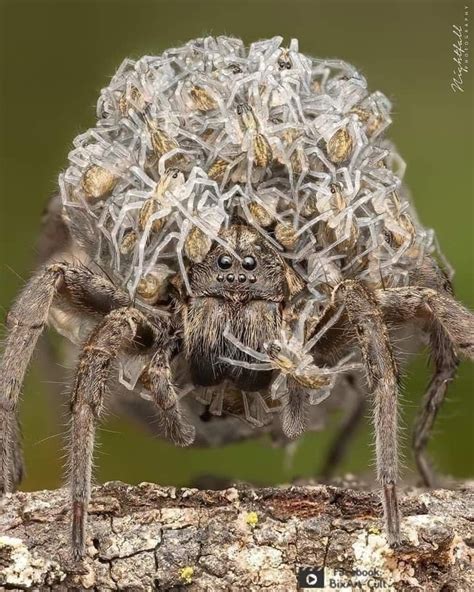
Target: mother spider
[{"x": 242, "y": 232}]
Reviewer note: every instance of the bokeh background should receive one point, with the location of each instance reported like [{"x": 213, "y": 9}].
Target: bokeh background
[{"x": 55, "y": 58}]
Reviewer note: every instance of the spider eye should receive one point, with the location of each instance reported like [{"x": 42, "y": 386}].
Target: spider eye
[
  {"x": 273, "y": 349},
  {"x": 249, "y": 263},
  {"x": 224, "y": 262},
  {"x": 236, "y": 69}
]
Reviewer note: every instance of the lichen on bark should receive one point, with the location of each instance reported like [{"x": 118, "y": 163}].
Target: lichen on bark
[{"x": 148, "y": 537}]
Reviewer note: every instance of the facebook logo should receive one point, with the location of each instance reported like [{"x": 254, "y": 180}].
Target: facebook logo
[{"x": 311, "y": 577}]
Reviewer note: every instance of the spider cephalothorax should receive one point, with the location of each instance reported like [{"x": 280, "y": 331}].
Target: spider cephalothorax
[
  {"x": 245, "y": 296},
  {"x": 233, "y": 237}
]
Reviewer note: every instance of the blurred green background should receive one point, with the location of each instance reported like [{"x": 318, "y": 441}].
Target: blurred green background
[{"x": 55, "y": 58}]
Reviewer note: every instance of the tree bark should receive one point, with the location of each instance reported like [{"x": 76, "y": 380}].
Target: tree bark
[{"x": 148, "y": 537}]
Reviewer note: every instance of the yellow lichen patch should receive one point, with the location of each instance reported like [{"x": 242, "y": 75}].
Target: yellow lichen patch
[
  {"x": 252, "y": 519},
  {"x": 186, "y": 574}
]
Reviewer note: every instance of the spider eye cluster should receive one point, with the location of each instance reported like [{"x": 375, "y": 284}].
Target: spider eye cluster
[{"x": 226, "y": 262}]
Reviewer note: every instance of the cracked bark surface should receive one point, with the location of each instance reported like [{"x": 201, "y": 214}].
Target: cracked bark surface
[{"x": 148, "y": 537}]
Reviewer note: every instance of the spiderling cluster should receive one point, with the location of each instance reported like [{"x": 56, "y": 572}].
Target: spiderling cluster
[{"x": 294, "y": 144}]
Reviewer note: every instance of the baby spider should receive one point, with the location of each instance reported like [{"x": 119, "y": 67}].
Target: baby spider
[{"x": 298, "y": 381}]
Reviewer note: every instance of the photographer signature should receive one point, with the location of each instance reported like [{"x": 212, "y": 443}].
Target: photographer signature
[{"x": 460, "y": 54}]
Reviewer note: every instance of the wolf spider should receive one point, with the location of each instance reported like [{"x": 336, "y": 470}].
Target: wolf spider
[{"x": 229, "y": 330}]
